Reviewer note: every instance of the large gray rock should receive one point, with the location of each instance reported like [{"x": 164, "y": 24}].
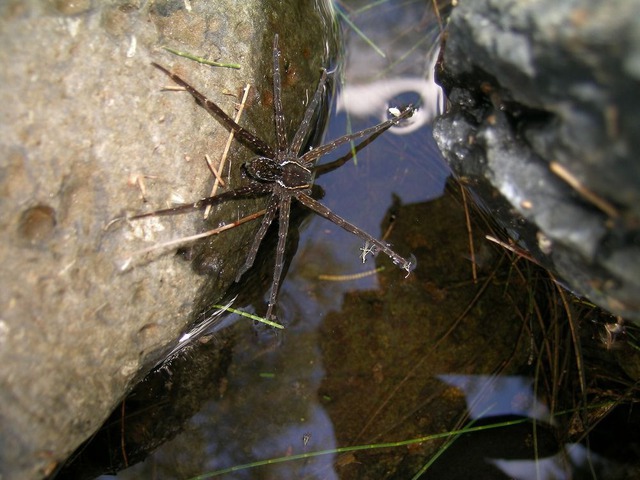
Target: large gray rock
[
  {"x": 83, "y": 116},
  {"x": 544, "y": 109}
]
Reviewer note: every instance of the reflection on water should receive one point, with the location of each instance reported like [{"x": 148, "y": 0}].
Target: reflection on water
[
  {"x": 491, "y": 396},
  {"x": 497, "y": 398}
]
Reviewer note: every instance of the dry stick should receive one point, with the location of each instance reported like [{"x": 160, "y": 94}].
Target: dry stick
[
  {"x": 138, "y": 180},
  {"x": 213, "y": 170},
  {"x": 472, "y": 250},
  {"x": 512, "y": 248},
  {"x": 573, "y": 327},
  {"x": 208, "y": 233},
  {"x": 583, "y": 191},
  {"x": 173, "y": 88},
  {"x": 223, "y": 159},
  {"x": 434, "y": 4}
]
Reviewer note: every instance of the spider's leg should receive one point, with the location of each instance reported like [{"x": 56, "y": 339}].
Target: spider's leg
[
  {"x": 272, "y": 208},
  {"x": 253, "y": 189},
  {"x": 303, "y": 129},
  {"x": 312, "y": 155},
  {"x": 323, "y": 211},
  {"x": 281, "y": 137},
  {"x": 283, "y": 229},
  {"x": 243, "y": 135},
  {"x": 320, "y": 170}
]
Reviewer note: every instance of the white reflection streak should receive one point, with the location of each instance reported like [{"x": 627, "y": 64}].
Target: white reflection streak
[
  {"x": 549, "y": 468},
  {"x": 373, "y": 99},
  {"x": 560, "y": 466},
  {"x": 213, "y": 323},
  {"x": 490, "y": 396}
]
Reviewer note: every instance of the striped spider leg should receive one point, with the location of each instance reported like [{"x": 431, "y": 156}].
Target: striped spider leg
[{"x": 283, "y": 173}]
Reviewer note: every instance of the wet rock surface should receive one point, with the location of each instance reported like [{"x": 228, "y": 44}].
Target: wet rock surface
[
  {"x": 88, "y": 136},
  {"x": 156, "y": 410},
  {"x": 543, "y": 110}
]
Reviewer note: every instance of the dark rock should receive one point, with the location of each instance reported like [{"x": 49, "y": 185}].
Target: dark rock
[{"x": 544, "y": 109}]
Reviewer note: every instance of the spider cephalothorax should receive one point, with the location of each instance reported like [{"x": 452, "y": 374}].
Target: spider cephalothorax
[
  {"x": 284, "y": 173},
  {"x": 289, "y": 174}
]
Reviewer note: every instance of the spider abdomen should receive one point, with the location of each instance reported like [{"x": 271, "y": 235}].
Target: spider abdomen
[{"x": 263, "y": 169}]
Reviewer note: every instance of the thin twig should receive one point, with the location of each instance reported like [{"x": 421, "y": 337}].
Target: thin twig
[
  {"x": 436, "y": 10},
  {"x": 225, "y": 152},
  {"x": 573, "y": 327},
  {"x": 173, "y": 88},
  {"x": 472, "y": 250},
  {"x": 208, "y": 233},
  {"x": 583, "y": 191},
  {"x": 213, "y": 170},
  {"x": 513, "y": 248},
  {"x": 138, "y": 180}
]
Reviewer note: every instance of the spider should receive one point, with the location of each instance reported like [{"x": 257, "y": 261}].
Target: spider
[{"x": 284, "y": 173}]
